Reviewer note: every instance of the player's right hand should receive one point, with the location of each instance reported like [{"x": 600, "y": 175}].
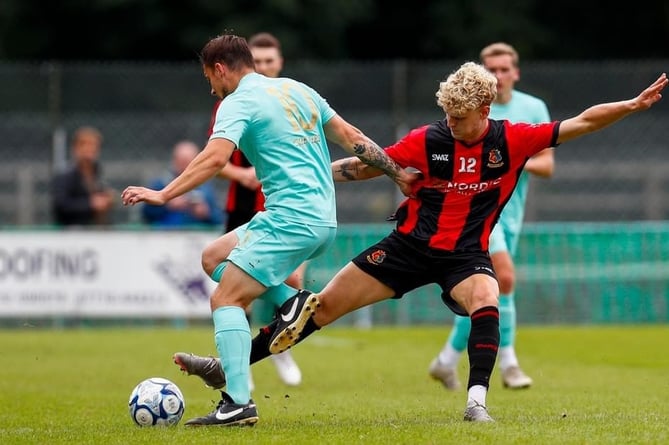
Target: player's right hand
[{"x": 133, "y": 195}]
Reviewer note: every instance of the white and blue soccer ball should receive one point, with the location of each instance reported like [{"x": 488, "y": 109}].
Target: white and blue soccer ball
[{"x": 156, "y": 401}]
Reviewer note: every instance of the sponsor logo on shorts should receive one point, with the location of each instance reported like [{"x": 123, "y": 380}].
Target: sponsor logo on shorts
[
  {"x": 486, "y": 268},
  {"x": 376, "y": 257}
]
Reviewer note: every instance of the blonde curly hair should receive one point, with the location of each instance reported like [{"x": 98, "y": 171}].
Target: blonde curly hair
[{"x": 467, "y": 89}]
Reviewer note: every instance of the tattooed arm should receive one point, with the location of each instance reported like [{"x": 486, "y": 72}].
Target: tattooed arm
[
  {"x": 353, "y": 169},
  {"x": 376, "y": 160}
]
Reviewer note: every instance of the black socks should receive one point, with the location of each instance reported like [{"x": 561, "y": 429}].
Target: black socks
[{"x": 482, "y": 346}]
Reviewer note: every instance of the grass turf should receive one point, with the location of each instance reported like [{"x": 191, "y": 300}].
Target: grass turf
[{"x": 592, "y": 385}]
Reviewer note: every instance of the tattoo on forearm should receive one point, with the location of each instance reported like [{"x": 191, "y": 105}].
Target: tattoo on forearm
[
  {"x": 374, "y": 156},
  {"x": 348, "y": 171}
]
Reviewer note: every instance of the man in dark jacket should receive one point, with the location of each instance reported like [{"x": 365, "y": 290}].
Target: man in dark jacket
[{"x": 79, "y": 197}]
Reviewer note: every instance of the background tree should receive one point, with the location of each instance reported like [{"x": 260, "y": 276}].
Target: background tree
[{"x": 328, "y": 29}]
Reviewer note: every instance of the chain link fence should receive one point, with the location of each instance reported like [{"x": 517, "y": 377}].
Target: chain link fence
[{"x": 142, "y": 109}]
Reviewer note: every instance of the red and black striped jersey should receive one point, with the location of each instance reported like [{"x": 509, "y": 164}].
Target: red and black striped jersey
[
  {"x": 241, "y": 200},
  {"x": 464, "y": 187}
]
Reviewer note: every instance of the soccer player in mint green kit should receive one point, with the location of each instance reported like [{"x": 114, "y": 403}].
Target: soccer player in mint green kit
[
  {"x": 281, "y": 126},
  {"x": 502, "y": 60}
]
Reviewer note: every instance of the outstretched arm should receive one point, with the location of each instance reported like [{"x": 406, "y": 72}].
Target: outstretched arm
[
  {"x": 355, "y": 142},
  {"x": 599, "y": 116},
  {"x": 204, "y": 167}
]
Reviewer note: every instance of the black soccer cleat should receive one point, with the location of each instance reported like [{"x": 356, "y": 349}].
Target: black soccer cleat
[
  {"x": 228, "y": 413},
  {"x": 207, "y": 368},
  {"x": 290, "y": 320}
]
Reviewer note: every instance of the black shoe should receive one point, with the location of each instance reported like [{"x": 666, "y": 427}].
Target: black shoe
[
  {"x": 290, "y": 320},
  {"x": 228, "y": 413}
]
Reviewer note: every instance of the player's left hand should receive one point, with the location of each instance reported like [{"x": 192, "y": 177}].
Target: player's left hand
[
  {"x": 133, "y": 195},
  {"x": 653, "y": 93}
]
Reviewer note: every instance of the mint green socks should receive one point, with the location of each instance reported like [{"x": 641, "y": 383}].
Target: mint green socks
[
  {"x": 233, "y": 343},
  {"x": 507, "y": 320}
]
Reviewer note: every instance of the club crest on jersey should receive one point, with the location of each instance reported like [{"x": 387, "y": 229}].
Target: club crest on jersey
[
  {"x": 495, "y": 158},
  {"x": 376, "y": 257}
]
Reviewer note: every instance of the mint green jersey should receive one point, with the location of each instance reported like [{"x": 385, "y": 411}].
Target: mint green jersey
[
  {"x": 521, "y": 108},
  {"x": 278, "y": 125}
]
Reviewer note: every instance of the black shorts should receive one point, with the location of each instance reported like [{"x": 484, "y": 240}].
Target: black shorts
[
  {"x": 405, "y": 265},
  {"x": 236, "y": 219}
]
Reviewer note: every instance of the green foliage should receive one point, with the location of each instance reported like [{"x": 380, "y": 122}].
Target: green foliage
[
  {"x": 324, "y": 29},
  {"x": 592, "y": 386}
]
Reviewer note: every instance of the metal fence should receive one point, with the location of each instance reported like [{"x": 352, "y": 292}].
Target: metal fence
[
  {"x": 567, "y": 273},
  {"x": 142, "y": 109}
]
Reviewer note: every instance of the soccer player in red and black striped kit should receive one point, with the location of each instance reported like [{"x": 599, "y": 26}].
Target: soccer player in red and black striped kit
[{"x": 468, "y": 168}]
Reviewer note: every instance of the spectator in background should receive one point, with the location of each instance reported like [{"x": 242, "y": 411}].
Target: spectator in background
[
  {"x": 197, "y": 207},
  {"x": 79, "y": 196}
]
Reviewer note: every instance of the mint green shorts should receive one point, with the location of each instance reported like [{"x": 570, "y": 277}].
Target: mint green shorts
[
  {"x": 270, "y": 249},
  {"x": 502, "y": 239}
]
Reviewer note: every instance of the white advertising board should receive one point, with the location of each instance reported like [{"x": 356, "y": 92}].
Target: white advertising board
[{"x": 104, "y": 274}]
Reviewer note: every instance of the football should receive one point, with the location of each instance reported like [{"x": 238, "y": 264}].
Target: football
[{"x": 156, "y": 401}]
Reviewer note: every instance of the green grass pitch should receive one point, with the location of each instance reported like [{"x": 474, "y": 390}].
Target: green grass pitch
[{"x": 593, "y": 385}]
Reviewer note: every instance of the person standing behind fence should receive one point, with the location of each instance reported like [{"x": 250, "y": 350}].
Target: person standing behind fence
[
  {"x": 79, "y": 195},
  {"x": 502, "y": 60},
  {"x": 199, "y": 207},
  {"x": 245, "y": 198}
]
